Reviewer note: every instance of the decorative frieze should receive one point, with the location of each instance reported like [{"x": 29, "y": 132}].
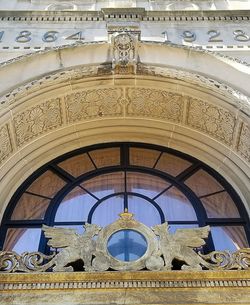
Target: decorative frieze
[
  {"x": 153, "y": 103},
  {"x": 37, "y": 120},
  {"x": 89, "y": 104},
  {"x": 212, "y": 120},
  {"x": 51, "y": 285}
]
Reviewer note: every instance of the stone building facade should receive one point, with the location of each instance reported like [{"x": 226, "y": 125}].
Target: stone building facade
[{"x": 170, "y": 74}]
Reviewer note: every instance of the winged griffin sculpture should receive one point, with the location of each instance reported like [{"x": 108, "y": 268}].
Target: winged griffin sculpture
[
  {"x": 75, "y": 246},
  {"x": 180, "y": 245}
]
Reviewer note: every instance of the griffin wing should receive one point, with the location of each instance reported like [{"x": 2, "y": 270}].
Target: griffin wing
[
  {"x": 60, "y": 237},
  {"x": 192, "y": 238}
]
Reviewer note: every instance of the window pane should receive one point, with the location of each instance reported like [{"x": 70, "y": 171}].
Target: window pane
[
  {"x": 143, "y": 211},
  {"x": 173, "y": 228},
  {"x": 22, "y": 239},
  {"x": 108, "y": 211},
  {"x": 48, "y": 184},
  {"x": 106, "y": 184},
  {"x": 203, "y": 184},
  {"x": 30, "y": 207},
  {"x": 176, "y": 206},
  {"x": 77, "y": 165},
  {"x": 78, "y": 228},
  {"x": 220, "y": 206},
  {"x": 106, "y": 157},
  {"x": 171, "y": 164},
  {"x": 145, "y": 184},
  {"x": 127, "y": 245},
  {"x": 229, "y": 238},
  {"x": 75, "y": 206},
  {"x": 143, "y": 157}
]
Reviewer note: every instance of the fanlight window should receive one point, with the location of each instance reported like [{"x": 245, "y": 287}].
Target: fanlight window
[{"x": 95, "y": 184}]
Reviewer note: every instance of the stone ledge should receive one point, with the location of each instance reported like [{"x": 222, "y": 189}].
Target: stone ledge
[{"x": 121, "y": 280}]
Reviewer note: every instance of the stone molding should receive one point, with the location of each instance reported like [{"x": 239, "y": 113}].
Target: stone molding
[
  {"x": 129, "y": 280},
  {"x": 128, "y": 14}
]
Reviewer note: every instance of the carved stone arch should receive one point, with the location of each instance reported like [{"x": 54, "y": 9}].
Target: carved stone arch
[{"x": 77, "y": 100}]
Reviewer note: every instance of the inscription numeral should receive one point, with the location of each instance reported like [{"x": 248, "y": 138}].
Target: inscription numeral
[
  {"x": 214, "y": 36},
  {"x": 76, "y": 36},
  {"x": 24, "y": 36},
  {"x": 50, "y": 36},
  {"x": 240, "y": 35},
  {"x": 188, "y": 36}
]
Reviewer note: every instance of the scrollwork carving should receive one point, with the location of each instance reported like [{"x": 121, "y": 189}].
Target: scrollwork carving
[{"x": 162, "y": 249}]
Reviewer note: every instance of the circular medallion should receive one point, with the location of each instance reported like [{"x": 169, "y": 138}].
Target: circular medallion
[{"x": 127, "y": 245}]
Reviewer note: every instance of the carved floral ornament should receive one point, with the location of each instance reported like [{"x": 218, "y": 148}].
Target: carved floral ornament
[{"x": 162, "y": 248}]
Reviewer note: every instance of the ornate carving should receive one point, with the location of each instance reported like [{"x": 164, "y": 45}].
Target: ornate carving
[
  {"x": 124, "y": 53},
  {"x": 94, "y": 104},
  {"x": 227, "y": 261},
  {"x": 5, "y": 143},
  {"x": 239, "y": 100},
  {"x": 211, "y": 119},
  {"x": 27, "y": 262},
  {"x": 155, "y": 103},
  {"x": 244, "y": 142},
  {"x": 95, "y": 256},
  {"x": 180, "y": 246},
  {"x": 75, "y": 246},
  {"x": 37, "y": 120}
]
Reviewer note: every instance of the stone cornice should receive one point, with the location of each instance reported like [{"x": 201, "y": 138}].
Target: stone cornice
[
  {"x": 118, "y": 280},
  {"x": 124, "y": 14}
]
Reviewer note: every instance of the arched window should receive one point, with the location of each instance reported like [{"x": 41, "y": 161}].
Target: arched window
[{"x": 97, "y": 183}]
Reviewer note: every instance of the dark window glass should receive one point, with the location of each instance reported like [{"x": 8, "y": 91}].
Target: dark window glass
[
  {"x": 171, "y": 164},
  {"x": 176, "y": 206},
  {"x": 106, "y": 157},
  {"x": 143, "y": 157},
  {"x": 229, "y": 237},
  {"x": 96, "y": 184},
  {"x": 48, "y": 184},
  {"x": 203, "y": 183},
  {"x": 220, "y": 205},
  {"x": 30, "y": 207},
  {"x": 145, "y": 184},
  {"x": 75, "y": 206},
  {"x": 22, "y": 239},
  {"x": 77, "y": 165}
]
